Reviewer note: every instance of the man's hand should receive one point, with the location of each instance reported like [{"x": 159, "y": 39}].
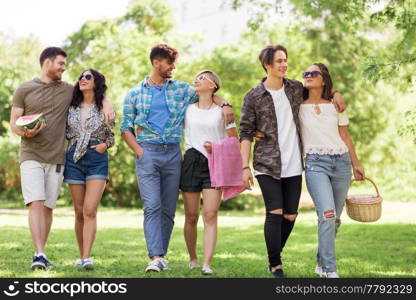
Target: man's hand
[
  {"x": 109, "y": 116},
  {"x": 228, "y": 115},
  {"x": 227, "y": 112},
  {"x": 101, "y": 148},
  {"x": 259, "y": 136},
  {"x": 108, "y": 113},
  {"x": 248, "y": 178},
  {"x": 339, "y": 102},
  {"x": 30, "y": 133},
  {"x": 139, "y": 152}
]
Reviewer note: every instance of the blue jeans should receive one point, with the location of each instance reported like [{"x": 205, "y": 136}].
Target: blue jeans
[
  {"x": 328, "y": 178},
  {"x": 158, "y": 174}
]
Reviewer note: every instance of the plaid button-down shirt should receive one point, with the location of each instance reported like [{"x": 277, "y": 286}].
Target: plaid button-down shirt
[{"x": 136, "y": 109}]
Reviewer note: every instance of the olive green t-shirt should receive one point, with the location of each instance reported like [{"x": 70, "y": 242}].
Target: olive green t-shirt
[{"x": 52, "y": 100}]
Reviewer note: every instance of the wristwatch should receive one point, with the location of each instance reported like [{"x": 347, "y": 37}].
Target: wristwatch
[{"x": 225, "y": 104}]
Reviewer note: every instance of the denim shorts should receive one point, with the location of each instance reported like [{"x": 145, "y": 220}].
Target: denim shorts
[{"x": 93, "y": 165}]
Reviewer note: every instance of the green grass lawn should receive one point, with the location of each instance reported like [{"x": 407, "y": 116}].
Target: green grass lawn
[{"x": 377, "y": 250}]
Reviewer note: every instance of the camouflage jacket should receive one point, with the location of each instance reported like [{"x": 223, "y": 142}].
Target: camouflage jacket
[{"x": 258, "y": 114}]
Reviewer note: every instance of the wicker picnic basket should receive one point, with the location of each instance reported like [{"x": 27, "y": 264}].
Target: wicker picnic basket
[{"x": 364, "y": 208}]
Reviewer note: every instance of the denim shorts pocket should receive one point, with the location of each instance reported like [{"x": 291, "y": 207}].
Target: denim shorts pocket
[
  {"x": 310, "y": 158},
  {"x": 346, "y": 159},
  {"x": 98, "y": 152}
]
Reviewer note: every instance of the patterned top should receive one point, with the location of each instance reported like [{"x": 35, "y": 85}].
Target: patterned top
[
  {"x": 136, "y": 109},
  {"x": 258, "y": 114},
  {"x": 95, "y": 129}
]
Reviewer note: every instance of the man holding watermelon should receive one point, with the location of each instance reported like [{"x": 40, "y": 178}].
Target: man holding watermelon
[{"x": 38, "y": 115}]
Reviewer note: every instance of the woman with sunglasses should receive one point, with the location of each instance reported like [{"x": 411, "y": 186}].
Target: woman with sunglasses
[
  {"x": 329, "y": 154},
  {"x": 86, "y": 166},
  {"x": 203, "y": 125}
]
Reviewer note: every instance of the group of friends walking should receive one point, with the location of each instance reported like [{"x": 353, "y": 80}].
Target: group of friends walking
[{"x": 295, "y": 127}]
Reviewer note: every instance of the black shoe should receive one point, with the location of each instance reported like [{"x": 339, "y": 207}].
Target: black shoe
[
  {"x": 39, "y": 263},
  {"x": 48, "y": 263},
  {"x": 278, "y": 273}
]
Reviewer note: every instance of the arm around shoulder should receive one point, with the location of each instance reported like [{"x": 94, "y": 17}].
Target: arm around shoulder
[
  {"x": 108, "y": 111},
  {"x": 248, "y": 119}
]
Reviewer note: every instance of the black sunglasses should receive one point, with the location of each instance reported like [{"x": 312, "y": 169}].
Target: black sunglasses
[
  {"x": 313, "y": 74},
  {"x": 87, "y": 77}
]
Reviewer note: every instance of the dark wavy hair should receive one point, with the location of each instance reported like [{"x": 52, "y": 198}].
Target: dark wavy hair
[
  {"x": 327, "y": 92},
  {"x": 163, "y": 51},
  {"x": 99, "y": 90}
]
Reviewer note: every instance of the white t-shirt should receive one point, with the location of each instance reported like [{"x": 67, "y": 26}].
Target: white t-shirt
[
  {"x": 287, "y": 135},
  {"x": 320, "y": 133},
  {"x": 204, "y": 125}
]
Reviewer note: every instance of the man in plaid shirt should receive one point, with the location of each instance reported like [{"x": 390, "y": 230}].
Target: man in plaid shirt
[{"x": 152, "y": 126}]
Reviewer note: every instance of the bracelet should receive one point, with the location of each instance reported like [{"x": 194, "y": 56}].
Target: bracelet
[
  {"x": 225, "y": 104},
  {"x": 246, "y": 168}
]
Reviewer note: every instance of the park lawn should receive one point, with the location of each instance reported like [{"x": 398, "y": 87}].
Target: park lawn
[{"x": 379, "y": 250}]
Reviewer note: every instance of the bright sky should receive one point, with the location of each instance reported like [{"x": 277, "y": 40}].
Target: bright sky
[{"x": 53, "y": 20}]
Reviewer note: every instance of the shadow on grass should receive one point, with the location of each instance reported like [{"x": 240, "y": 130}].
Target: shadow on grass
[{"x": 362, "y": 251}]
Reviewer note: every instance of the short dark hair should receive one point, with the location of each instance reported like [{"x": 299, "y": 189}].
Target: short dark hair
[
  {"x": 327, "y": 92},
  {"x": 51, "y": 53},
  {"x": 267, "y": 54},
  {"x": 99, "y": 90},
  {"x": 162, "y": 51}
]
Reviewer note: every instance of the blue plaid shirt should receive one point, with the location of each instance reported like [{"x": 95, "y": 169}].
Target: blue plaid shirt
[{"x": 136, "y": 109}]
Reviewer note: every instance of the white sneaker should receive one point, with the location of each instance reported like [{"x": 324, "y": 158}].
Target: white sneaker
[
  {"x": 319, "y": 271},
  {"x": 332, "y": 275},
  {"x": 87, "y": 264},
  {"x": 78, "y": 262},
  {"x": 192, "y": 266},
  {"x": 206, "y": 270},
  {"x": 165, "y": 264},
  {"x": 155, "y": 265}
]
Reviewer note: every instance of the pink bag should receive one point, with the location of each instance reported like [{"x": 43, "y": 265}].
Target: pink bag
[{"x": 226, "y": 167}]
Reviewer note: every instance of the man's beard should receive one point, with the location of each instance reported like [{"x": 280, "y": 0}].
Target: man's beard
[
  {"x": 55, "y": 76},
  {"x": 165, "y": 74}
]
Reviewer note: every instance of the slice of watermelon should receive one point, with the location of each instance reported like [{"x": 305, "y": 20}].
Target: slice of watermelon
[{"x": 29, "y": 121}]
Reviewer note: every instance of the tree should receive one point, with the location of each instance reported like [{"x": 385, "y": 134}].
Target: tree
[
  {"x": 397, "y": 18},
  {"x": 119, "y": 48},
  {"x": 18, "y": 63},
  {"x": 394, "y": 21},
  {"x": 18, "y": 59}
]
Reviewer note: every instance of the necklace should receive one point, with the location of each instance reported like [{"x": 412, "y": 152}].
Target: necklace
[
  {"x": 317, "y": 109},
  {"x": 159, "y": 87},
  {"x": 212, "y": 102}
]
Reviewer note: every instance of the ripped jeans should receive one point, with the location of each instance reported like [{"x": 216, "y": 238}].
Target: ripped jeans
[{"x": 328, "y": 178}]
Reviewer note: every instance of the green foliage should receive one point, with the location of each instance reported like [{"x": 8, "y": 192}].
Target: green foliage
[
  {"x": 392, "y": 21},
  {"x": 150, "y": 16},
  {"x": 121, "y": 52},
  {"x": 18, "y": 63},
  {"x": 409, "y": 128},
  {"x": 9, "y": 168},
  {"x": 342, "y": 34}
]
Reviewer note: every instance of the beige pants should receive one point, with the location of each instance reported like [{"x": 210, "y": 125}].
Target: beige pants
[{"x": 41, "y": 182}]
